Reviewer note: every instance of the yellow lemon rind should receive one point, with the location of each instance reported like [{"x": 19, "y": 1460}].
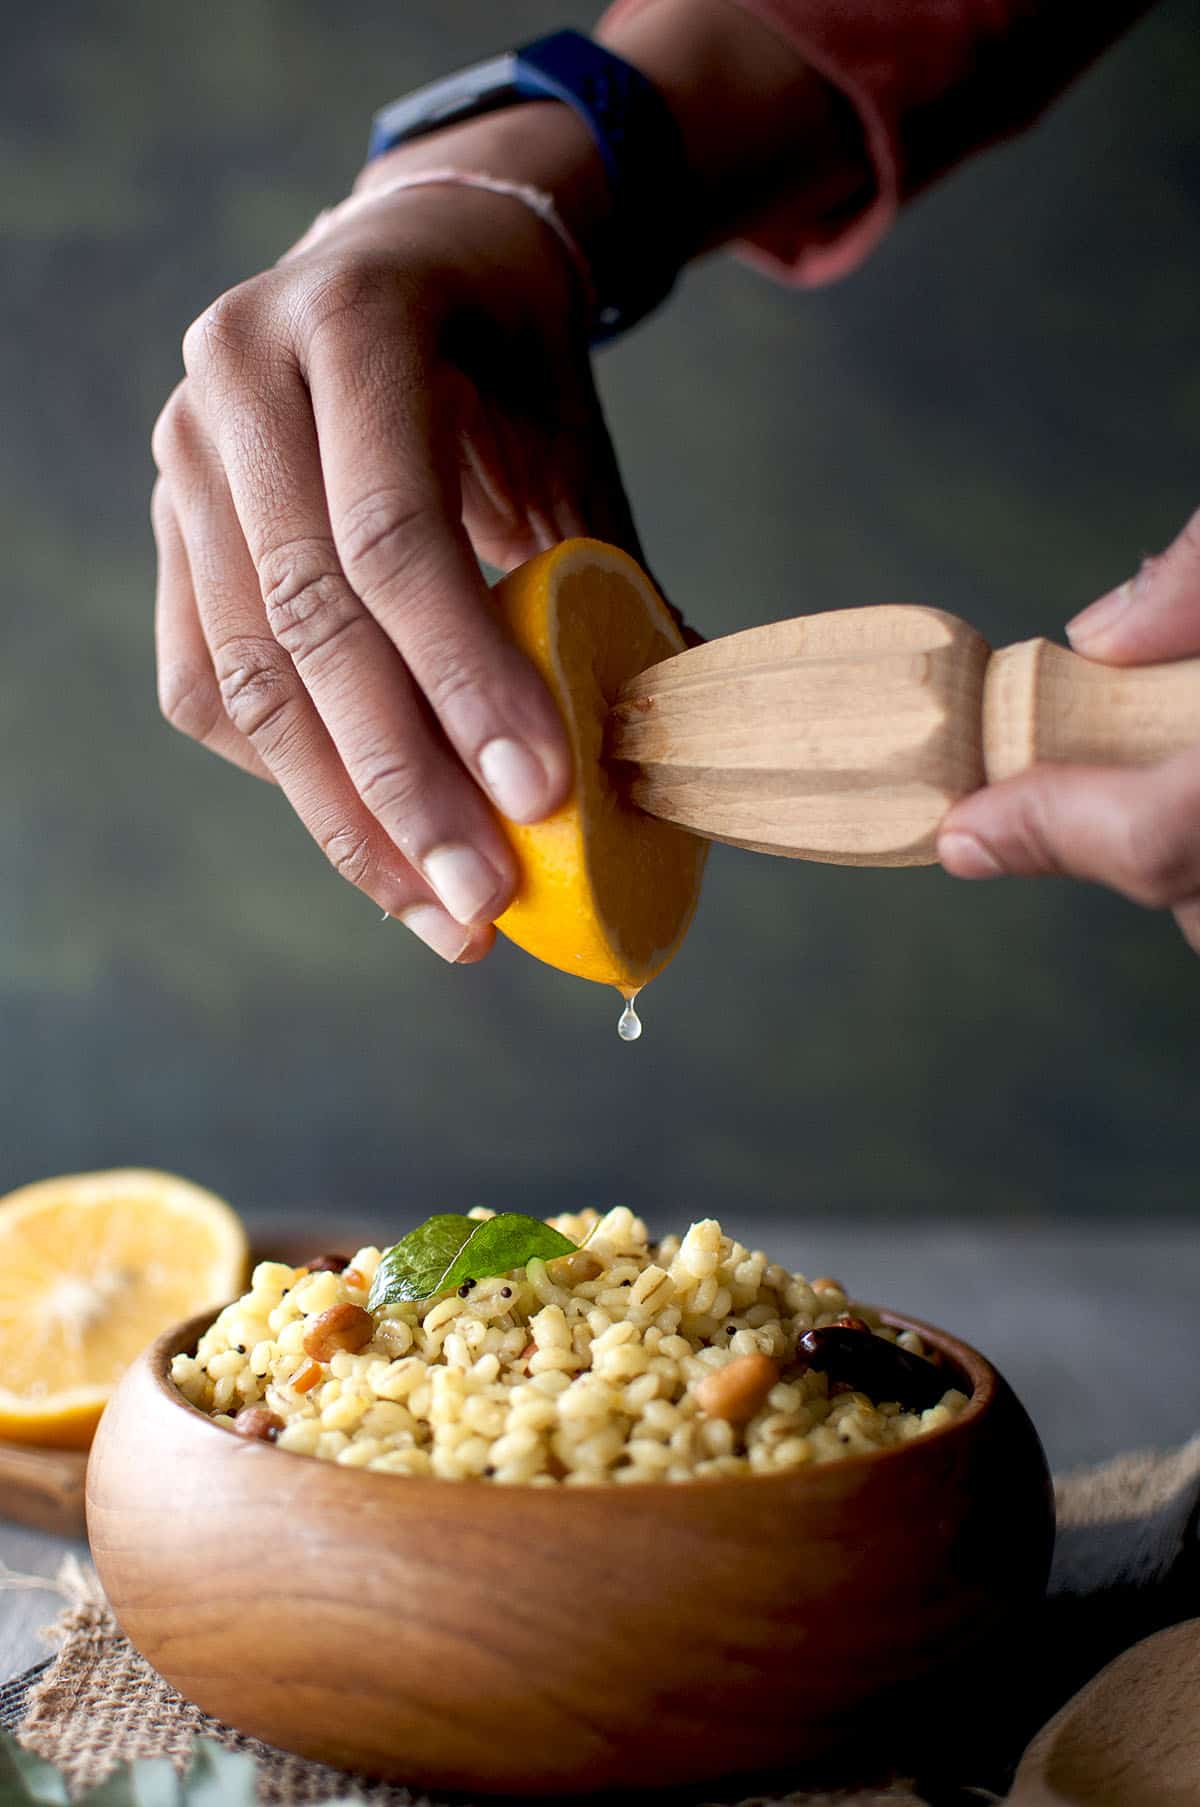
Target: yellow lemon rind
[{"x": 590, "y": 946}]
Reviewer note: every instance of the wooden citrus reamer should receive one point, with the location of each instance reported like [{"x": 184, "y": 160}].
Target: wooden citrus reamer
[{"x": 846, "y": 736}]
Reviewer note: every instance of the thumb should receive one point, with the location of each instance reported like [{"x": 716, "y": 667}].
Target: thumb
[
  {"x": 1135, "y": 830},
  {"x": 1155, "y": 615}
]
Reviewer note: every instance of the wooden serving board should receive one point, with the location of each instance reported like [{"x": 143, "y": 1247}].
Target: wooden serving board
[{"x": 43, "y": 1487}]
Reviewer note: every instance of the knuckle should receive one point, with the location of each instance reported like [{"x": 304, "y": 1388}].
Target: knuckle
[
  {"x": 349, "y": 852},
  {"x": 174, "y": 438},
  {"x": 450, "y": 677},
  {"x": 225, "y": 332},
  {"x": 307, "y": 603},
  {"x": 383, "y": 538},
  {"x": 257, "y": 683},
  {"x": 341, "y": 295},
  {"x": 189, "y": 700},
  {"x": 391, "y": 789}
]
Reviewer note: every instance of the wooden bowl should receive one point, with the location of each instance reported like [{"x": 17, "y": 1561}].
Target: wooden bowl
[{"x": 456, "y": 1635}]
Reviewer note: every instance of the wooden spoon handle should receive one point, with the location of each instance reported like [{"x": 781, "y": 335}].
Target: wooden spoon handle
[
  {"x": 1130, "y": 1738},
  {"x": 1041, "y": 702}
]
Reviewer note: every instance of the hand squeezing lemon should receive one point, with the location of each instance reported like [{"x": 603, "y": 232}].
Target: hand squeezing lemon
[{"x": 606, "y": 892}]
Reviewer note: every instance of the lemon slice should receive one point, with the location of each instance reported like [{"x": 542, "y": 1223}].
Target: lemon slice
[
  {"x": 606, "y": 892},
  {"x": 93, "y": 1266}
]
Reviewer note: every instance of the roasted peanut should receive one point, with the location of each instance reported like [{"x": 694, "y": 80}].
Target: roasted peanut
[
  {"x": 256, "y": 1421},
  {"x": 736, "y": 1391},
  {"x": 352, "y": 1277},
  {"x": 848, "y": 1322},
  {"x": 826, "y": 1285},
  {"x": 327, "y": 1264},
  {"x": 343, "y": 1326},
  {"x": 569, "y": 1270}
]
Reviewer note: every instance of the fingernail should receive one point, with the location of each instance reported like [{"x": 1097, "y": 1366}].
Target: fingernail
[
  {"x": 464, "y": 881},
  {"x": 437, "y": 930},
  {"x": 1094, "y": 622},
  {"x": 964, "y": 856},
  {"x": 516, "y": 779},
  {"x": 1100, "y": 617}
]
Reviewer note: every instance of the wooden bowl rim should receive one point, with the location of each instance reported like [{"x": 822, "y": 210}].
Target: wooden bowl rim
[{"x": 970, "y": 1364}]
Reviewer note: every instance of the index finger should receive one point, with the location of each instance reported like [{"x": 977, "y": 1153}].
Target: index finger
[{"x": 389, "y": 456}]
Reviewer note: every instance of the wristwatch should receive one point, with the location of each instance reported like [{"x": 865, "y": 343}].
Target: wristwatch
[{"x": 638, "y": 254}]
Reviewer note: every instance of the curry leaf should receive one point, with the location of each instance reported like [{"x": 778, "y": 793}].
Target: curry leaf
[
  {"x": 503, "y": 1243},
  {"x": 412, "y": 1267},
  {"x": 449, "y": 1250}
]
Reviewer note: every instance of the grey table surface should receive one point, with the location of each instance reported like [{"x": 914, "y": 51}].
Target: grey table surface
[{"x": 1095, "y": 1328}]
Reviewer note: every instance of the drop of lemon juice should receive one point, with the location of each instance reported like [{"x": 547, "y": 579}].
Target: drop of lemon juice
[{"x": 629, "y": 1023}]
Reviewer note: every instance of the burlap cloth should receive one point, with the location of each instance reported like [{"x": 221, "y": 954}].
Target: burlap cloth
[{"x": 1125, "y": 1565}]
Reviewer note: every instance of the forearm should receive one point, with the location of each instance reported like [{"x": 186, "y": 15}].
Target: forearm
[
  {"x": 805, "y": 123},
  {"x": 755, "y": 120},
  {"x": 931, "y": 81}
]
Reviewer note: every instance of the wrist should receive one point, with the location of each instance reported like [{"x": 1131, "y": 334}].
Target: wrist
[
  {"x": 755, "y": 120},
  {"x": 542, "y": 143}
]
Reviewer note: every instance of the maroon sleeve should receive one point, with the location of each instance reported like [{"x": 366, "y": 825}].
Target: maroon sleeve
[{"x": 932, "y": 81}]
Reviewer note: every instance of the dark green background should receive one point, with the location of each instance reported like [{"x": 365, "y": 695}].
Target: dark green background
[{"x": 999, "y": 416}]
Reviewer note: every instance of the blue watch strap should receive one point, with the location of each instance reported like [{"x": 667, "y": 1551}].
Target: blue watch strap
[
  {"x": 638, "y": 255},
  {"x": 481, "y": 89}
]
